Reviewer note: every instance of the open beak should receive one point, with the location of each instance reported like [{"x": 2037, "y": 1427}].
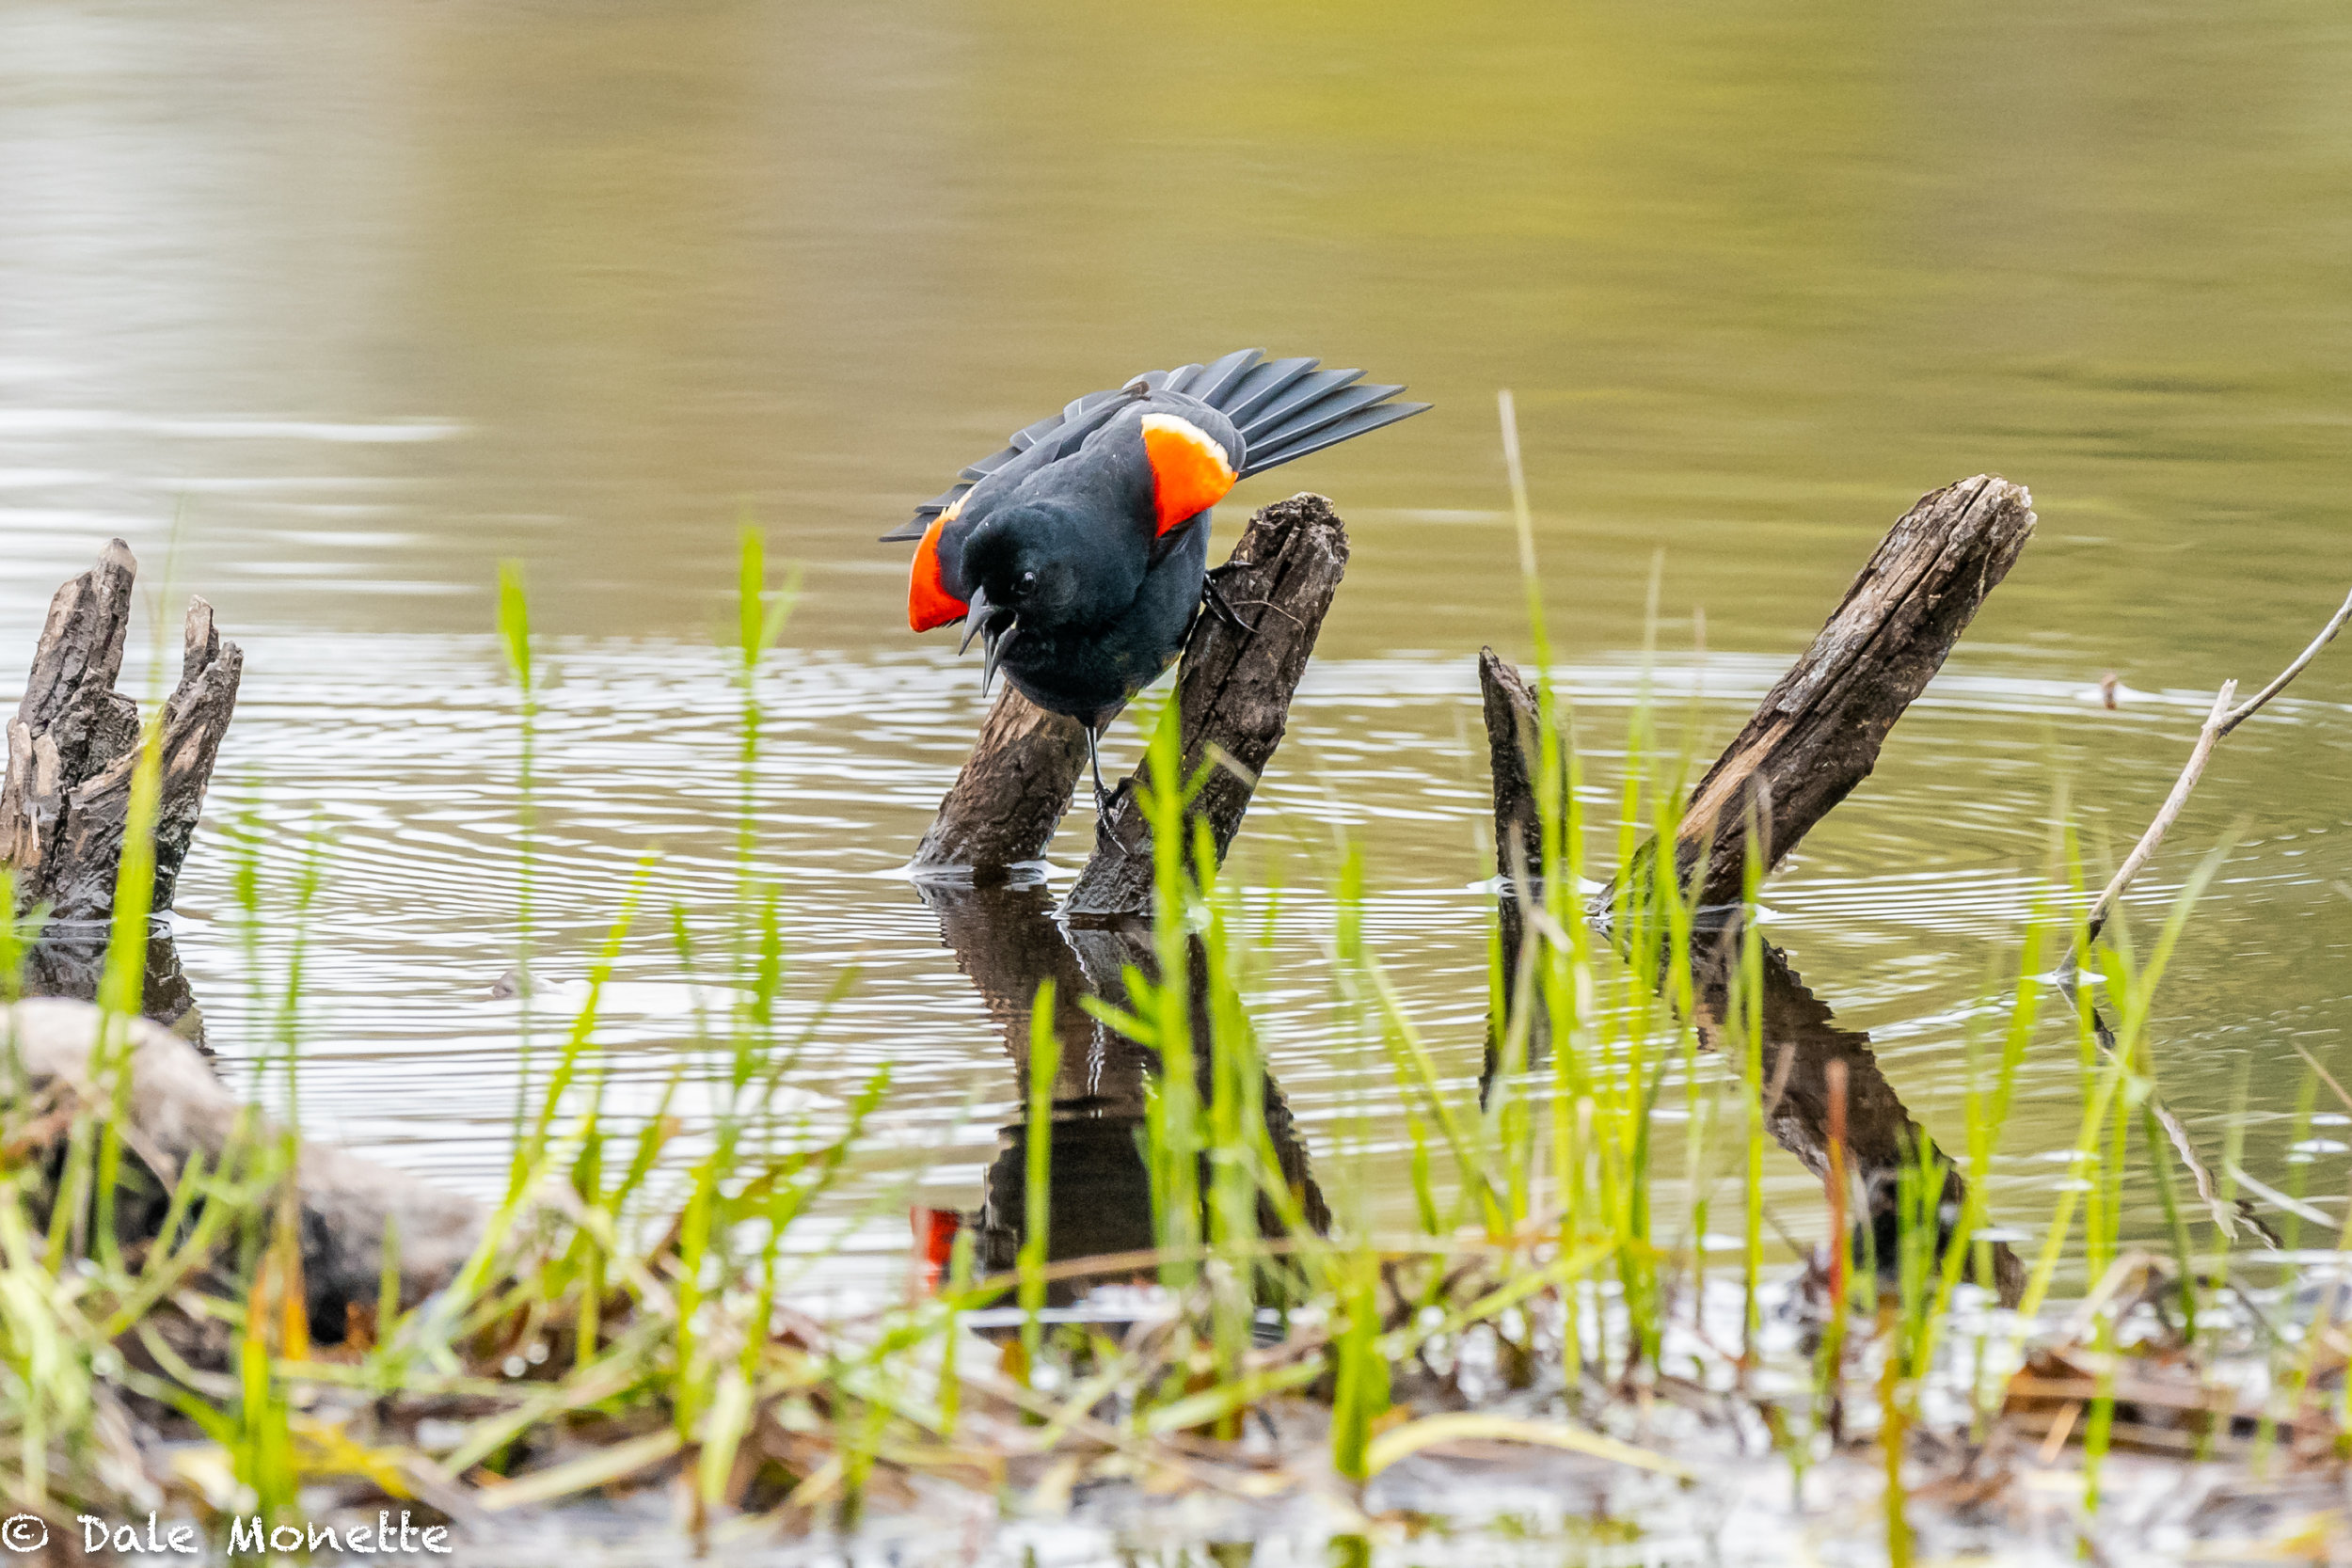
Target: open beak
[
  {"x": 991, "y": 624},
  {"x": 976, "y": 611},
  {"x": 989, "y": 642}
]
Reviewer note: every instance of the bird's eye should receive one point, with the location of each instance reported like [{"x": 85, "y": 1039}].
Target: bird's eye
[{"x": 1026, "y": 585}]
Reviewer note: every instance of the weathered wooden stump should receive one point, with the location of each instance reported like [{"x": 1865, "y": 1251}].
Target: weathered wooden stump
[
  {"x": 74, "y": 744},
  {"x": 1233, "y": 696},
  {"x": 1512, "y": 728},
  {"x": 1002, "y": 811},
  {"x": 1818, "y": 732},
  {"x": 1813, "y": 738}
]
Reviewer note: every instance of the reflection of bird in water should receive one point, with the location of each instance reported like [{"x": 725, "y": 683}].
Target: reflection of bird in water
[
  {"x": 1079, "y": 553},
  {"x": 1100, "y": 1201}
]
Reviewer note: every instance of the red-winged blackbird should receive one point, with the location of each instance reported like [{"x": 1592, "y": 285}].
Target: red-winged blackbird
[{"x": 1079, "y": 554}]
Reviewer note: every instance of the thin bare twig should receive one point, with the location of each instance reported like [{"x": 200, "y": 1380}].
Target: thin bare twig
[
  {"x": 2219, "y": 722},
  {"x": 2326, "y": 634}
]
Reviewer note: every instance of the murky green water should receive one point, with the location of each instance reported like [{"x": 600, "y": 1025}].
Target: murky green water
[{"x": 332, "y": 309}]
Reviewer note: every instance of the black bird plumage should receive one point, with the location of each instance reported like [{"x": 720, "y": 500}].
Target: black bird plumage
[{"x": 1078, "y": 554}]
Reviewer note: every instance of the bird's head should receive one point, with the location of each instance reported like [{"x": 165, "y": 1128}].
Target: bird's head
[{"x": 1035, "y": 566}]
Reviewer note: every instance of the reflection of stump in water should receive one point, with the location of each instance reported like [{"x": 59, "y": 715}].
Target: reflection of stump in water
[
  {"x": 1800, "y": 1040},
  {"x": 69, "y": 959},
  {"x": 1100, "y": 1205}
]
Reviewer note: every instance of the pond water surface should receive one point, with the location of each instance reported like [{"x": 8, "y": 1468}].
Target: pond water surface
[{"x": 328, "y": 311}]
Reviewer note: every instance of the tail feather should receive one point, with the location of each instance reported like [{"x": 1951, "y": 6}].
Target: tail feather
[
  {"x": 1353, "y": 425},
  {"x": 1308, "y": 389},
  {"x": 1263, "y": 383},
  {"x": 1328, "y": 409}
]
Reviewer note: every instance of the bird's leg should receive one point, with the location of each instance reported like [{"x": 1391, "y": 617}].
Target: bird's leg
[{"x": 1094, "y": 760}]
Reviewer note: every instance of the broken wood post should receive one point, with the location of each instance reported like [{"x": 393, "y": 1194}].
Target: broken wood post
[
  {"x": 1513, "y": 728},
  {"x": 1002, "y": 811},
  {"x": 1513, "y": 724},
  {"x": 1818, "y": 732},
  {"x": 1816, "y": 735},
  {"x": 1233, "y": 696},
  {"x": 74, "y": 743}
]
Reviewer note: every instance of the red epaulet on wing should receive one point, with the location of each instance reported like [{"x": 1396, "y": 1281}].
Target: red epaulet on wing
[{"x": 1190, "y": 472}]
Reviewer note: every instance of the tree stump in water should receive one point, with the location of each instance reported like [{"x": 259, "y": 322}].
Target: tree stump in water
[
  {"x": 1513, "y": 726},
  {"x": 74, "y": 743},
  {"x": 1813, "y": 738},
  {"x": 1818, "y": 732},
  {"x": 1234, "y": 694},
  {"x": 1002, "y": 811}
]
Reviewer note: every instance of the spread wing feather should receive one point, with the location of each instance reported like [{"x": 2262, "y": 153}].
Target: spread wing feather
[
  {"x": 1281, "y": 408},
  {"x": 1308, "y": 389}
]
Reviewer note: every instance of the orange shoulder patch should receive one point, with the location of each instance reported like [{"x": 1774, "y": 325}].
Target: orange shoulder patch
[
  {"x": 1189, "y": 470},
  {"x": 928, "y": 603}
]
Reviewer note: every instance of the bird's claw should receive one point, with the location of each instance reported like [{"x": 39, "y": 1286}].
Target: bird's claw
[{"x": 1222, "y": 608}]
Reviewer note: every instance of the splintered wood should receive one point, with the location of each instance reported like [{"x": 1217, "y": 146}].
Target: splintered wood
[
  {"x": 74, "y": 744},
  {"x": 1818, "y": 732}
]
